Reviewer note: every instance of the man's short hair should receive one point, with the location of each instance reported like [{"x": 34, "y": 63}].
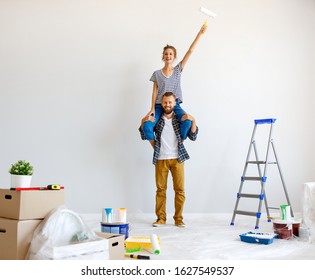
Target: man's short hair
[{"x": 167, "y": 94}]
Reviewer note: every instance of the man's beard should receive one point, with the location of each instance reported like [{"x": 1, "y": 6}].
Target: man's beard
[{"x": 168, "y": 110}]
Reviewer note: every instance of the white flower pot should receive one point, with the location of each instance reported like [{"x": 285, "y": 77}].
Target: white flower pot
[{"x": 21, "y": 181}]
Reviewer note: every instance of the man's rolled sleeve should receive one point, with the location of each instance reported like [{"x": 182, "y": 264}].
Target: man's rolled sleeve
[
  {"x": 142, "y": 133},
  {"x": 193, "y": 135}
]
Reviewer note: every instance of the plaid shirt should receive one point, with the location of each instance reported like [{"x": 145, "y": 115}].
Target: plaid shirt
[{"x": 182, "y": 153}]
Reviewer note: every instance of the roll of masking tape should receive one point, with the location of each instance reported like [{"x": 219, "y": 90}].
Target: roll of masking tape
[{"x": 155, "y": 244}]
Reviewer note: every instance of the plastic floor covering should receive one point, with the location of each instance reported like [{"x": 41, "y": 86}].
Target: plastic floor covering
[{"x": 211, "y": 237}]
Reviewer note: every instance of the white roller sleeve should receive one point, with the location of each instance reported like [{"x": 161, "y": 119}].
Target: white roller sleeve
[
  {"x": 207, "y": 12},
  {"x": 155, "y": 244}
]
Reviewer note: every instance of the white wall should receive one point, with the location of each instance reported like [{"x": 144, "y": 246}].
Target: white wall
[{"x": 74, "y": 84}]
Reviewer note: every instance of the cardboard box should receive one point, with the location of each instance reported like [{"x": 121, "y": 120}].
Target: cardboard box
[
  {"x": 15, "y": 238},
  {"x": 85, "y": 250},
  {"x": 116, "y": 245},
  {"x": 105, "y": 247},
  {"x": 29, "y": 204}
]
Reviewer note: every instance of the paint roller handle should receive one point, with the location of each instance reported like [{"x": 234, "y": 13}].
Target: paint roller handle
[{"x": 203, "y": 28}]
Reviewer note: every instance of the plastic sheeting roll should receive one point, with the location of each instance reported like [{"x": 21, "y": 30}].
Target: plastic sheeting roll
[{"x": 308, "y": 211}]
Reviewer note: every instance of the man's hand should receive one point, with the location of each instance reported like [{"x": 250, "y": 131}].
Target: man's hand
[
  {"x": 188, "y": 117},
  {"x": 193, "y": 122},
  {"x": 149, "y": 118}
]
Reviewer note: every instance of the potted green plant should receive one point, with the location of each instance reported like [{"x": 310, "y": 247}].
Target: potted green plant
[{"x": 21, "y": 174}]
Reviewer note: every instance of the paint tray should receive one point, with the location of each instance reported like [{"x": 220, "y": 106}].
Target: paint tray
[
  {"x": 258, "y": 237},
  {"x": 143, "y": 242}
]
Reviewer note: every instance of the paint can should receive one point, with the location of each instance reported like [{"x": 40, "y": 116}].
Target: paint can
[
  {"x": 120, "y": 215},
  {"x": 285, "y": 212},
  {"x": 286, "y": 228},
  {"x": 296, "y": 226},
  {"x": 107, "y": 215},
  {"x": 283, "y": 228},
  {"x": 116, "y": 228}
]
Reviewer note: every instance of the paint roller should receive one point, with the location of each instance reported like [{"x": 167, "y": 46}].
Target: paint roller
[
  {"x": 155, "y": 244},
  {"x": 207, "y": 13}
]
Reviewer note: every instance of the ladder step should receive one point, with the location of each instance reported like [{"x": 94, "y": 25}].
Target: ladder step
[
  {"x": 249, "y": 195},
  {"x": 263, "y": 121},
  {"x": 275, "y": 208},
  {"x": 245, "y": 178},
  {"x": 256, "y": 161},
  {"x": 248, "y": 213},
  {"x": 261, "y": 162}
]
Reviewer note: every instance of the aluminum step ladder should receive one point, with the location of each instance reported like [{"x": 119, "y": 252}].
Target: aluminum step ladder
[{"x": 262, "y": 168}]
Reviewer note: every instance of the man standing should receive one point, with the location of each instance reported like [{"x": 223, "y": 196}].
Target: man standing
[{"x": 169, "y": 155}]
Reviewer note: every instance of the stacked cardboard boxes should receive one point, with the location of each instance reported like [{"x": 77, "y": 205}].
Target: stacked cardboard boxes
[{"x": 20, "y": 213}]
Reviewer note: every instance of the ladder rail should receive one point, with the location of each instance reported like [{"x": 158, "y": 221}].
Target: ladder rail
[
  {"x": 282, "y": 179},
  {"x": 269, "y": 143},
  {"x": 268, "y": 148},
  {"x": 244, "y": 173},
  {"x": 262, "y": 183}
]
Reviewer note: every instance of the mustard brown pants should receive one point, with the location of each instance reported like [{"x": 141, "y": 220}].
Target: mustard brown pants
[{"x": 162, "y": 169}]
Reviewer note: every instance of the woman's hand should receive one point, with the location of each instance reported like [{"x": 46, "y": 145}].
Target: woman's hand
[
  {"x": 147, "y": 118},
  {"x": 204, "y": 28},
  {"x": 151, "y": 113}
]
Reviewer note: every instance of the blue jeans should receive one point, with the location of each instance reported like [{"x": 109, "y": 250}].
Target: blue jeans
[{"x": 148, "y": 127}]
